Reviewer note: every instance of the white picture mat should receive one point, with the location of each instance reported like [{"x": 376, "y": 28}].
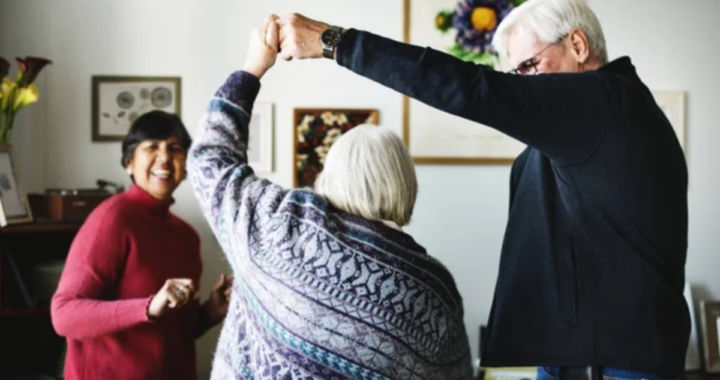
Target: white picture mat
[
  {"x": 672, "y": 103},
  {"x": 12, "y": 199},
  {"x": 436, "y": 134},
  {"x": 260, "y": 141}
]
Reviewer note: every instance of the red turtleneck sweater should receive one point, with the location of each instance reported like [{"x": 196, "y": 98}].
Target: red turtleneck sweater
[{"x": 119, "y": 259}]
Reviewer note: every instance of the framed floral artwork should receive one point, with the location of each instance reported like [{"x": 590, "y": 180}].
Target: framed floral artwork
[
  {"x": 464, "y": 29},
  {"x": 118, "y": 100},
  {"x": 315, "y": 130}
]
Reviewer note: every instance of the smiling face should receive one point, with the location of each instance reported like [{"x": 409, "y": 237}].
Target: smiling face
[{"x": 158, "y": 166}]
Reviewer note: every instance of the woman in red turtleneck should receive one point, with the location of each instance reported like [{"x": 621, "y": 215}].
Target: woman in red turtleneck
[{"x": 127, "y": 301}]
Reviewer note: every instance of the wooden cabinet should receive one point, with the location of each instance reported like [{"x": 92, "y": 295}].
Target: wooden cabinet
[{"x": 31, "y": 257}]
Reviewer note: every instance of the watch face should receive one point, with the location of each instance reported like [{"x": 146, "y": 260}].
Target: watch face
[{"x": 331, "y": 37}]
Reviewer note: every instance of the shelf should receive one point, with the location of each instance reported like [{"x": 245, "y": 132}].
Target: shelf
[
  {"x": 701, "y": 375},
  {"x": 20, "y": 313},
  {"x": 36, "y": 228}
]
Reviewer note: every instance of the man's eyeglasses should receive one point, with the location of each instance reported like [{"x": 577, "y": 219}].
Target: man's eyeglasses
[{"x": 529, "y": 66}]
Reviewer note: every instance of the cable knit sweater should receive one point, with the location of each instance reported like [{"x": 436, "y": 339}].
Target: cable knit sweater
[{"x": 318, "y": 293}]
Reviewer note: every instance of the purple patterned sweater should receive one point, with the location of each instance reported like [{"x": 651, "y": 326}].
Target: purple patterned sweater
[{"x": 319, "y": 293}]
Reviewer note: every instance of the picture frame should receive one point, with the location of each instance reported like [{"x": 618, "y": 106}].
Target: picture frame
[
  {"x": 692, "y": 356},
  {"x": 672, "y": 103},
  {"x": 261, "y": 143},
  {"x": 710, "y": 320},
  {"x": 117, "y": 101},
  {"x": 314, "y": 132},
  {"x": 435, "y": 137},
  {"x": 14, "y": 205}
]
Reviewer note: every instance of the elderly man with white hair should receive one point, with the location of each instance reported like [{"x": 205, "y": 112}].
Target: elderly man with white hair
[
  {"x": 327, "y": 285},
  {"x": 592, "y": 267}
]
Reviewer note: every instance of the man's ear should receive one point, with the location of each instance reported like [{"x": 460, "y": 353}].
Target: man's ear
[{"x": 580, "y": 48}]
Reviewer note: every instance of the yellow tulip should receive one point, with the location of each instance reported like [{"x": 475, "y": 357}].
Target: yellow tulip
[
  {"x": 6, "y": 89},
  {"x": 25, "y": 96}
]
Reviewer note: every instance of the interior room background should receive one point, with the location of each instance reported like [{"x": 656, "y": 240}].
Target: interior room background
[{"x": 461, "y": 210}]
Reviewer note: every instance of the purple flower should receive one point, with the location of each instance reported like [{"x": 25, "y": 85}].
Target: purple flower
[
  {"x": 4, "y": 67},
  {"x": 29, "y": 69},
  {"x": 476, "y": 22}
]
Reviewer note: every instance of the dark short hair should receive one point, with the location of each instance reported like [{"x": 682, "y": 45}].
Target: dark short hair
[{"x": 154, "y": 125}]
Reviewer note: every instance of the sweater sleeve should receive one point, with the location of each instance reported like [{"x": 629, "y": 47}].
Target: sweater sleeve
[
  {"x": 230, "y": 194},
  {"x": 85, "y": 305},
  {"x": 561, "y": 115}
]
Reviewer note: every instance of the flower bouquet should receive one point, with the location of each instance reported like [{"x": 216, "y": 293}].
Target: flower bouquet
[{"x": 14, "y": 95}]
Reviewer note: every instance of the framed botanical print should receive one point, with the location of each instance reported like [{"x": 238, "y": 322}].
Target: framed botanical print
[{"x": 117, "y": 101}]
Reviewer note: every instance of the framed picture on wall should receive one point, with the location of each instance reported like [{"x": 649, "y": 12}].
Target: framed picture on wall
[
  {"x": 692, "y": 356},
  {"x": 118, "y": 100},
  {"x": 436, "y": 137},
  {"x": 710, "y": 320},
  {"x": 14, "y": 206},
  {"x": 672, "y": 103},
  {"x": 260, "y": 143},
  {"x": 315, "y": 130}
]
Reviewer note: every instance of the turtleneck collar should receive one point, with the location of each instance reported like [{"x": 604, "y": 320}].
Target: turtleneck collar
[{"x": 155, "y": 207}]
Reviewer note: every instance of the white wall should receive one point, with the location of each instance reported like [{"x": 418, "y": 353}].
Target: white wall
[
  {"x": 461, "y": 211},
  {"x": 674, "y": 46}
]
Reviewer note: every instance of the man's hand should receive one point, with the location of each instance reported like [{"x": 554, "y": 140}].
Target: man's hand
[
  {"x": 263, "y": 49},
  {"x": 300, "y": 37}
]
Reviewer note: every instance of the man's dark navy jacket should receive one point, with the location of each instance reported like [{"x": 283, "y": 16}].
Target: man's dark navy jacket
[{"x": 592, "y": 265}]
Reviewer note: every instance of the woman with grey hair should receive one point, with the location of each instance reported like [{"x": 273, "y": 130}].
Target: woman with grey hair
[
  {"x": 591, "y": 273},
  {"x": 327, "y": 285}
]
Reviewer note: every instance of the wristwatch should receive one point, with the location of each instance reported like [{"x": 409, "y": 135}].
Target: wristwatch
[{"x": 330, "y": 39}]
